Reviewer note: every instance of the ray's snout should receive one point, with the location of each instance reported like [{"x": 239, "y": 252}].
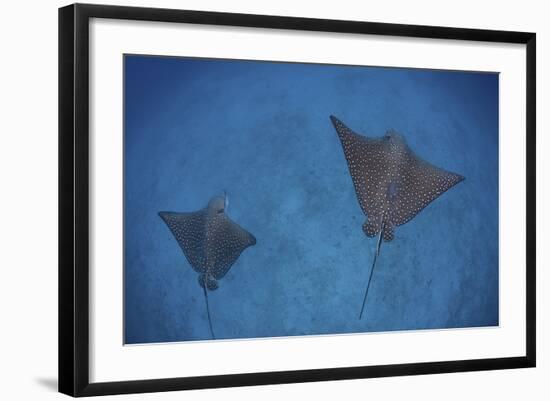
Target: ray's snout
[{"x": 217, "y": 203}]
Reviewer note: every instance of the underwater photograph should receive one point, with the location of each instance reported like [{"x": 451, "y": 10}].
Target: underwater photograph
[{"x": 273, "y": 199}]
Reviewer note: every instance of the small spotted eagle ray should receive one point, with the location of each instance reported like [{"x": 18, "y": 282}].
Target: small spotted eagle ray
[
  {"x": 391, "y": 182},
  {"x": 210, "y": 241}
]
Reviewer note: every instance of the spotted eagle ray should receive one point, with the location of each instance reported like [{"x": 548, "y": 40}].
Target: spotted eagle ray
[
  {"x": 210, "y": 241},
  {"x": 391, "y": 182}
]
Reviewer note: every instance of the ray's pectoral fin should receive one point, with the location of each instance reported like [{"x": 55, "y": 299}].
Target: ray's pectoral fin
[
  {"x": 233, "y": 240},
  {"x": 211, "y": 283},
  {"x": 188, "y": 229},
  {"x": 424, "y": 183}
]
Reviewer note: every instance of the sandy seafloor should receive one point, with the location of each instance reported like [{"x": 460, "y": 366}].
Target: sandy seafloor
[{"x": 261, "y": 131}]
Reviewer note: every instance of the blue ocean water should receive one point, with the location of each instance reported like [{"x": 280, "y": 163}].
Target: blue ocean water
[{"x": 261, "y": 131}]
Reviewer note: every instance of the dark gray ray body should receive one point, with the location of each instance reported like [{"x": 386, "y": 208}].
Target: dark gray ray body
[
  {"x": 210, "y": 241},
  {"x": 391, "y": 182}
]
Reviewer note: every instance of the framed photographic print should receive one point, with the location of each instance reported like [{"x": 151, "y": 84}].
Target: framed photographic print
[{"x": 297, "y": 199}]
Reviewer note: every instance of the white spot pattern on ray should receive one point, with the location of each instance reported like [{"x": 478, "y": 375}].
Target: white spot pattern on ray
[
  {"x": 392, "y": 184},
  {"x": 210, "y": 240}
]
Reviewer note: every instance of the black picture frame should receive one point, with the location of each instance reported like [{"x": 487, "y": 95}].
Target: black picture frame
[{"x": 74, "y": 194}]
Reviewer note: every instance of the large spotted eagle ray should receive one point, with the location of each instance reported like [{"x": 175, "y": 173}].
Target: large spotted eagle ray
[
  {"x": 211, "y": 242},
  {"x": 391, "y": 182}
]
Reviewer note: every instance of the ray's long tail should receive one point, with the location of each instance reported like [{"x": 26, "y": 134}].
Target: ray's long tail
[
  {"x": 208, "y": 311},
  {"x": 378, "y": 245}
]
